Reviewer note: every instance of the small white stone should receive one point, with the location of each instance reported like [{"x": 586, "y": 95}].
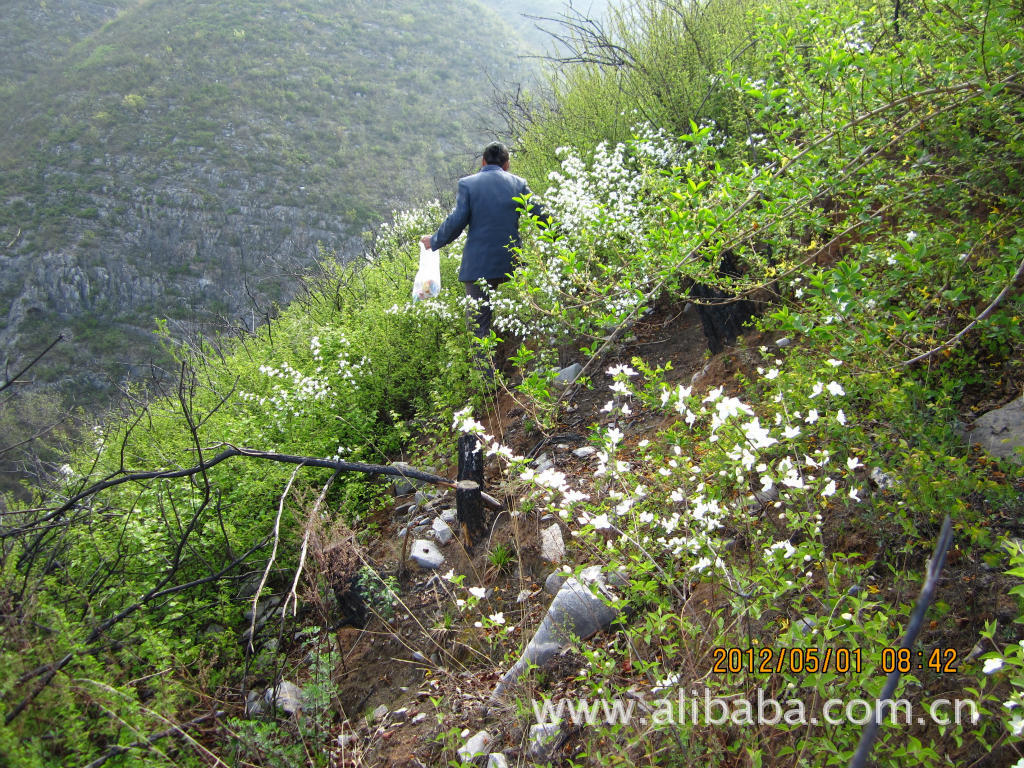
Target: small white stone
[
  {"x": 426, "y": 554},
  {"x": 475, "y": 747}
]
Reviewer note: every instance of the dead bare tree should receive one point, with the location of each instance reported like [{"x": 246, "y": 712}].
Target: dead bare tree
[{"x": 584, "y": 41}]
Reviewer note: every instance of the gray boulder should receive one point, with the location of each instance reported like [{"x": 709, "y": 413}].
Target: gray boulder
[
  {"x": 554, "y": 582},
  {"x": 1001, "y": 432},
  {"x": 567, "y": 375},
  {"x": 545, "y": 738},
  {"x": 441, "y": 531},
  {"x": 576, "y": 612}
]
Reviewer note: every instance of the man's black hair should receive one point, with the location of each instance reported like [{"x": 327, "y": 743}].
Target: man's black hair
[{"x": 496, "y": 153}]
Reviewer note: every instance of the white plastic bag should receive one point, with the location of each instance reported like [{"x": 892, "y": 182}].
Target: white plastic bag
[{"x": 428, "y": 279}]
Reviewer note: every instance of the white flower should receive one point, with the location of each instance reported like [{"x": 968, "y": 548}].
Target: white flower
[
  {"x": 617, "y": 369},
  {"x": 817, "y": 389},
  {"x": 784, "y": 547},
  {"x": 853, "y": 494},
  {"x": 835, "y": 388},
  {"x": 1017, "y": 726},
  {"x": 841, "y": 417},
  {"x": 478, "y": 592},
  {"x": 614, "y": 436},
  {"x": 702, "y": 564},
  {"x": 911, "y": 236},
  {"x": 830, "y": 489},
  {"x": 757, "y": 435},
  {"x": 812, "y": 416},
  {"x": 773, "y": 373},
  {"x": 497, "y": 618},
  {"x": 846, "y": 616},
  {"x": 853, "y": 462},
  {"x": 833, "y": 362},
  {"x": 790, "y": 432},
  {"x": 992, "y": 665},
  {"x": 713, "y": 395}
]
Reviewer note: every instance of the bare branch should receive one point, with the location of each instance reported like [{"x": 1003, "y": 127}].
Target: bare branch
[
  {"x": 309, "y": 461},
  {"x": 988, "y": 311},
  {"x": 270, "y": 560},
  {"x": 310, "y": 523},
  {"x": 931, "y": 580},
  {"x": 49, "y": 671},
  {"x": 152, "y": 739},
  {"x": 586, "y": 41},
  {"x": 14, "y": 379}
]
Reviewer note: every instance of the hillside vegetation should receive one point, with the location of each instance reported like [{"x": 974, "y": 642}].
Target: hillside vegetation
[
  {"x": 855, "y": 180},
  {"x": 178, "y": 162},
  {"x": 182, "y": 159}
]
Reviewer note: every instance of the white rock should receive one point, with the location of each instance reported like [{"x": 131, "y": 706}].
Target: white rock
[
  {"x": 426, "y": 554},
  {"x": 879, "y": 478},
  {"x": 441, "y": 531},
  {"x": 286, "y": 696},
  {"x": 584, "y": 452},
  {"x": 552, "y": 546},
  {"x": 475, "y": 747}
]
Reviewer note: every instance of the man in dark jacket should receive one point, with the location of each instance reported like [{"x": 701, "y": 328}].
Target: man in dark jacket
[{"x": 486, "y": 204}]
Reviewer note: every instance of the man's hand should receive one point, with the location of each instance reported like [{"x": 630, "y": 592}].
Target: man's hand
[{"x": 426, "y": 242}]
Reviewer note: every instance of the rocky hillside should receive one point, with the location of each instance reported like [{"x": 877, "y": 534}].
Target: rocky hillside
[{"x": 183, "y": 159}]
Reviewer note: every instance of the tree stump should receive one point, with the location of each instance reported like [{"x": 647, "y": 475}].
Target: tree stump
[{"x": 469, "y": 489}]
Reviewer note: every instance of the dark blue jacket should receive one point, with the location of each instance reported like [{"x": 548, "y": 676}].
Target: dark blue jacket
[{"x": 485, "y": 203}]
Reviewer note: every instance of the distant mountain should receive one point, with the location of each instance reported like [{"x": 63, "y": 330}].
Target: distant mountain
[{"x": 181, "y": 159}]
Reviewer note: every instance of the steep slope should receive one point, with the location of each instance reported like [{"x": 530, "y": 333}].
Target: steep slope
[
  {"x": 186, "y": 157},
  {"x": 35, "y": 33}
]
